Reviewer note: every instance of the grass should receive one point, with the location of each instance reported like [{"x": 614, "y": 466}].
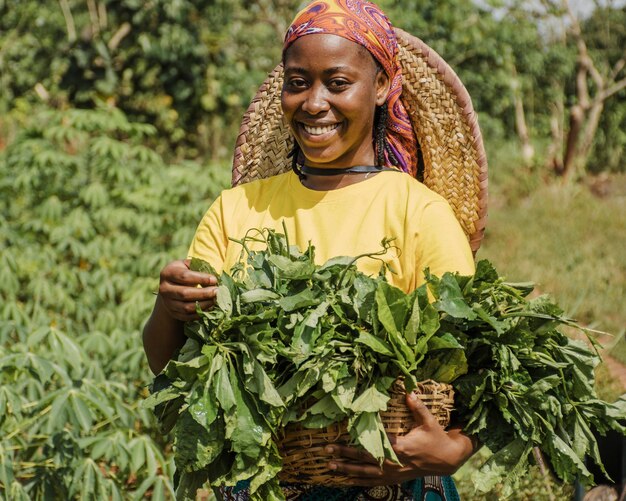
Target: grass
[{"x": 570, "y": 242}]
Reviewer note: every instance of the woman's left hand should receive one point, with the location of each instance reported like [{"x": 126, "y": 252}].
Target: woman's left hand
[{"x": 427, "y": 449}]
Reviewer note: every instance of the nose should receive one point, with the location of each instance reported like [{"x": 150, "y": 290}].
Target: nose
[{"x": 316, "y": 100}]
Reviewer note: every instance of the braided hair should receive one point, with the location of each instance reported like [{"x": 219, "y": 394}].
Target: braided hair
[{"x": 380, "y": 137}]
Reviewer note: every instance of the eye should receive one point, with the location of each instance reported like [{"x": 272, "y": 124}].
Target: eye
[
  {"x": 338, "y": 84},
  {"x": 296, "y": 83}
]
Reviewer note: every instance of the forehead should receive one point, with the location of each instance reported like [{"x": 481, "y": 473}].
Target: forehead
[{"x": 327, "y": 50}]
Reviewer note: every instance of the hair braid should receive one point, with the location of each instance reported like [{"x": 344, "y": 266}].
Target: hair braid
[
  {"x": 380, "y": 137},
  {"x": 380, "y": 130},
  {"x": 294, "y": 154}
]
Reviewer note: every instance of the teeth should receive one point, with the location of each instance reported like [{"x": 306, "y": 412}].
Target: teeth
[{"x": 318, "y": 131}]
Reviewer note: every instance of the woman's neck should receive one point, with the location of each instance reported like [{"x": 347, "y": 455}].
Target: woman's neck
[{"x": 328, "y": 183}]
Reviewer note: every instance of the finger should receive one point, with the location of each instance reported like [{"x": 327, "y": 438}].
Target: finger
[
  {"x": 421, "y": 414},
  {"x": 185, "y": 310},
  {"x": 177, "y": 272},
  {"x": 360, "y": 455},
  {"x": 206, "y": 305},
  {"x": 187, "y": 294},
  {"x": 192, "y": 278}
]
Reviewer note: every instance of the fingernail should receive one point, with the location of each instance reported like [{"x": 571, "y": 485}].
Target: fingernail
[
  {"x": 330, "y": 449},
  {"x": 332, "y": 466},
  {"x": 412, "y": 396}
]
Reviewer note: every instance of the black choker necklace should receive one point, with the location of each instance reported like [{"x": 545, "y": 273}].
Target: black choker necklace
[{"x": 357, "y": 169}]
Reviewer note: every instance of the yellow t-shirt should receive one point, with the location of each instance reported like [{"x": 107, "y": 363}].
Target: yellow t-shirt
[{"x": 343, "y": 222}]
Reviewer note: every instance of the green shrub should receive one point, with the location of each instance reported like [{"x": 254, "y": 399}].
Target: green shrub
[{"x": 89, "y": 215}]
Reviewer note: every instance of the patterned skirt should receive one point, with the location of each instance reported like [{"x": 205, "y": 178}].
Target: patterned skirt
[{"x": 422, "y": 489}]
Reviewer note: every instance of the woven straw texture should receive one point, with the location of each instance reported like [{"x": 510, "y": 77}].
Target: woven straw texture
[
  {"x": 455, "y": 164},
  {"x": 306, "y": 461}
]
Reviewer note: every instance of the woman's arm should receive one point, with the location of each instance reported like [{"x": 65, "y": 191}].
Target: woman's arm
[{"x": 179, "y": 291}]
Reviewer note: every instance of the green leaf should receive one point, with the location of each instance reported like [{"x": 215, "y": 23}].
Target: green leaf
[
  {"x": 451, "y": 300},
  {"x": 293, "y": 270},
  {"x": 443, "y": 366},
  {"x": 371, "y": 400},
  {"x": 430, "y": 320},
  {"x": 366, "y": 429},
  {"x": 224, "y": 299},
  {"x": 302, "y": 299},
  {"x": 375, "y": 343},
  {"x": 81, "y": 411},
  {"x": 392, "y": 307},
  {"x": 344, "y": 393},
  {"x": 247, "y": 431},
  {"x": 265, "y": 388},
  {"x": 567, "y": 465},
  {"x": 203, "y": 406},
  {"x": 413, "y": 323},
  {"x": 223, "y": 389},
  {"x": 507, "y": 463},
  {"x": 197, "y": 446},
  {"x": 258, "y": 295},
  {"x": 202, "y": 266}
]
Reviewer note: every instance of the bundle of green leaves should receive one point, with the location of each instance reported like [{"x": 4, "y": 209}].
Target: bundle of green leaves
[{"x": 292, "y": 341}]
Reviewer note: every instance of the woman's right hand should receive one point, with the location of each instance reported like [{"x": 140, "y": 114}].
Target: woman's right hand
[{"x": 181, "y": 288}]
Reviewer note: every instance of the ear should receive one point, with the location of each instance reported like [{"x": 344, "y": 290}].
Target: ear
[{"x": 382, "y": 87}]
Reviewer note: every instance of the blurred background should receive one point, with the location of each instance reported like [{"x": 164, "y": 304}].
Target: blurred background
[{"x": 118, "y": 120}]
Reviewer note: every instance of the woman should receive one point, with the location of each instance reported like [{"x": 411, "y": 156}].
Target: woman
[{"x": 347, "y": 191}]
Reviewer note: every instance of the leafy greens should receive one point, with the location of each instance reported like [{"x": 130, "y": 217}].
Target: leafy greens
[{"x": 293, "y": 341}]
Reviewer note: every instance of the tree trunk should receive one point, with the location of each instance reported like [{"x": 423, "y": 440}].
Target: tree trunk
[
  {"x": 528, "y": 151},
  {"x": 555, "y": 149},
  {"x": 589, "y": 132},
  {"x": 570, "y": 154}
]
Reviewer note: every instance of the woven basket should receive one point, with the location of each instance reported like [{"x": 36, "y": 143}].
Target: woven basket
[{"x": 303, "y": 450}]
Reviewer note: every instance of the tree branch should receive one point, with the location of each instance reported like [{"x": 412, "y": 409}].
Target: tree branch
[
  {"x": 583, "y": 52},
  {"x": 69, "y": 20},
  {"x": 118, "y": 36},
  {"x": 102, "y": 15},
  {"x": 617, "y": 67},
  {"x": 93, "y": 17},
  {"x": 613, "y": 89}
]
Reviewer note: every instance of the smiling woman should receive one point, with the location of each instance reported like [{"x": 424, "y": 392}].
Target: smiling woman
[{"x": 353, "y": 134}]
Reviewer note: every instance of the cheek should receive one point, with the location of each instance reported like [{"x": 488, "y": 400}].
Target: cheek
[{"x": 287, "y": 105}]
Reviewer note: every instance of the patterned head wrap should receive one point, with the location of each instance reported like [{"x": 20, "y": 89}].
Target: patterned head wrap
[{"x": 364, "y": 23}]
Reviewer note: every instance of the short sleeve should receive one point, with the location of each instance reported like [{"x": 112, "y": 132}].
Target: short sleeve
[
  {"x": 210, "y": 240},
  {"x": 442, "y": 245}
]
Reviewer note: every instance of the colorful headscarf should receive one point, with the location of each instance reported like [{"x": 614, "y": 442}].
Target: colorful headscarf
[{"x": 363, "y": 22}]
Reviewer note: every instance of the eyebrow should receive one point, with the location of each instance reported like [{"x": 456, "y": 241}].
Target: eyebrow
[{"x": 327, "y": 71}]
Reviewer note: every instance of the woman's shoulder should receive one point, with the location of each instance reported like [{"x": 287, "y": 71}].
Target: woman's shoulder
[
  {"x": 415, "y": 190},
  {"x": 256, "y": 188}
]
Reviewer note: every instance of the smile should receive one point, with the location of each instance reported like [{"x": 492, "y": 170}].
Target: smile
[{"x": 319, "y": 130}]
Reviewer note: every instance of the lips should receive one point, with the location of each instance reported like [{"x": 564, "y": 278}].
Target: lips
[{"x": 319, "y": 130}]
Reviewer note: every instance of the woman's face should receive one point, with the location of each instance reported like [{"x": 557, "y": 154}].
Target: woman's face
[{"x": 330, "y": 92}]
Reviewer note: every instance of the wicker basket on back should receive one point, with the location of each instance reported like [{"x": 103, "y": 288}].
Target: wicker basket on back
[{"x": 305, "y": 459}]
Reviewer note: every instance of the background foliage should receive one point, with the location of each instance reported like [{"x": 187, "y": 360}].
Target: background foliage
[
  {"x": 94, "y": 201},
  {"x": 89, "y": 216},
  {"x": 190, "y": 67}
]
